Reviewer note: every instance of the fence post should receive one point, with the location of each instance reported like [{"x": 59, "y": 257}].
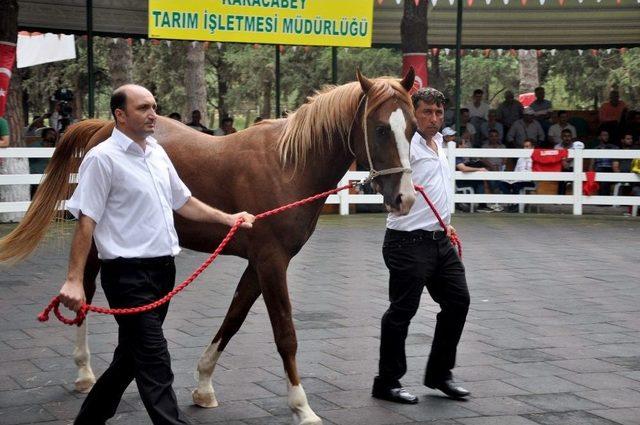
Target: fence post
[
  {"x": 577, "y": 181},
  {"x": 451, "y": 156},
  {"x": 343, "y": 195}
]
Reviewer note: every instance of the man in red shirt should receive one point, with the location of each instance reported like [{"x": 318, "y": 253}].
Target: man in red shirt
[{"x": 611, "y": 113}]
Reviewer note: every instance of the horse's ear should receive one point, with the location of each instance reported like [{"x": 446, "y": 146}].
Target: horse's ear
[
  {"x": 407, "y": 81},
  {"x": 365, "y": 83}
]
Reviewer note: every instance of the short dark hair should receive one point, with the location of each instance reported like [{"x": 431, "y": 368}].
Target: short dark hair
[
  {"x": 538, "y": 88},
  {"x": 478, "y": 91},
  {"x": 227, "y": 119},
  {"x": 493, "y": 130},
  {"x": 561, "y": 112},
  {"x": 463, "y": 110},
  {"x": 48, "y": 130},
  {"x": 118, "y": 100},
  {"x": 566, "y": 130},
  {"x": 428, "y": 95}
]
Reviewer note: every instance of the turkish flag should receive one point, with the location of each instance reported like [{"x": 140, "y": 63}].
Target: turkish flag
[
  {"x": 7, "y": 58},
  {"x": 419, "y": 63}
]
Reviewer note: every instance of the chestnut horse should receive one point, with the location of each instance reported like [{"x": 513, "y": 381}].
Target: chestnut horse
[{"x": 265, "y": 166}]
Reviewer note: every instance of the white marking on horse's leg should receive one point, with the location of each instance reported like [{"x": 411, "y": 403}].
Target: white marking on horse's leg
[
  {"x": 204, "y": 395},
  {"x": 398, "y": 125},
  {"x": 81, "y": 357},
  {"x": 302, "y": 413}
]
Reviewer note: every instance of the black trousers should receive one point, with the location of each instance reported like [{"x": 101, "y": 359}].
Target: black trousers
[
  {"x": 417, "y": 259},
  {"x": 142, "y": 352}
]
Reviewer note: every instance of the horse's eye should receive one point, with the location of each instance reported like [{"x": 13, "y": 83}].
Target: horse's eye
[{"x": 382, "y": 130}]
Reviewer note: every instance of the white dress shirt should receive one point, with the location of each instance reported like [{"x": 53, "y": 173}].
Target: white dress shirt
[
  {"x": 431, "y": 171},
  {"x": 131, "y": 195}
]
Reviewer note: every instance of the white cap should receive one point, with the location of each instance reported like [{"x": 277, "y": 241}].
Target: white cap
[
  {"x": 577, "y": 145},
  {"x": 448, "y": 131}
]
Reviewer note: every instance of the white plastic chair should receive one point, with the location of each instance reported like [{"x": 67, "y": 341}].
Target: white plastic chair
[
  {"x": 467, "y": 190},
  {"x": 524, "y": 191}
]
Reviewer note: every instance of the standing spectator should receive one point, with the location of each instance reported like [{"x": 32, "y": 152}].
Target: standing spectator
[
  {"x": 195, "y": 123},
  {"x": 491, "y": 124},
  {"x": 611, "y": 113},
  {"x": 525, "y": 128},
  {"x": 4, "y": 133},
  {"x": 603, "y": 165},
  {"x": 633, "y": 125},
  {"x": 542, "y": 108},
  {"x": 37, "y": 165},
  {"x": 555, "y": 136},
  {"x": 225, "y": 128},
  {"x": 509, "y": 111}
]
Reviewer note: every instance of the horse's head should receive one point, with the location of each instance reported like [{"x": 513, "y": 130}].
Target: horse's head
[{"x": 388, "y": 127}]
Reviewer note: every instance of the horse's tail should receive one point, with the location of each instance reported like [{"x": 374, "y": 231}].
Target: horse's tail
[{"x": 54, "y": 188}]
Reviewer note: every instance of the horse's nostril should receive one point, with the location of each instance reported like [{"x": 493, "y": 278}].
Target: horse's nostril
[{"x": 399, "y": 199}]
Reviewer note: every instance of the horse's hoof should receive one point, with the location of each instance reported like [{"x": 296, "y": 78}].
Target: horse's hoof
[
  {"x": 206, "y": 400},
  {"x": 310, "y": 418},
  {"x": 84, "y": 385}
]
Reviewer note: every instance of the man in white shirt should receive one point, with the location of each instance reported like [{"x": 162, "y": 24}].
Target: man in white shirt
[
  {"x": 126, "y": 194},
  {"x": 555, "y": 131},
  {"x": 418, "y": 253}
]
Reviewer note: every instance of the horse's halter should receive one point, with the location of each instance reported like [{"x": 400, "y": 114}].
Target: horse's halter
[{"x": 373, "y": 173}]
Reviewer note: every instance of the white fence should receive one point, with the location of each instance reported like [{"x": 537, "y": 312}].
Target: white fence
[{"x": 344, "y": 199}]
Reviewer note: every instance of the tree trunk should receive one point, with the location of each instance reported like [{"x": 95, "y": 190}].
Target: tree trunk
[
  {"x": 120, "y": 62},
  {"x": 194, "y": 82},
  {"x": 529, "y": 77},
  {"x": 267, "y": 85},
  {"x": 413, "y": 34},
  {"x": 14, "y": 115}
]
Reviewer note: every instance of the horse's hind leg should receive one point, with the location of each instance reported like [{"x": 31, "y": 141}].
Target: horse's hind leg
[
  {"x": 81, "y": 354},
  {"x": 246, "y": 294},
  {"x": 272, "y": 276}
]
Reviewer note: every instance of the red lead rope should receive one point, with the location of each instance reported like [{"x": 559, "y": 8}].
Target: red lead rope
[{"x": 82, "y": 313}]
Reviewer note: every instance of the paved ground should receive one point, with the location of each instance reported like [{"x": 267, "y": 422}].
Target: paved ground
[{"x": 553, "y": 334}]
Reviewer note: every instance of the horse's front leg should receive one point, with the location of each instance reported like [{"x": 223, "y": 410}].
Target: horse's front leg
[
  {"x": 246, "y": 294},
  {"x": 81, "y": 355},
  {"x": 272, "y": 275}
]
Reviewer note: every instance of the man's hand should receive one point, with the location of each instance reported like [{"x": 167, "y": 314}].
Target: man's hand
[
  {"x": 247, "y": 218},
  {"x": 451, "y": 231},
  {"x": 72, "y": 295}
]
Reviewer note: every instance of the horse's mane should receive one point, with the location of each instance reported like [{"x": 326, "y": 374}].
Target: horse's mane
[{"x": 330, "y": 113}]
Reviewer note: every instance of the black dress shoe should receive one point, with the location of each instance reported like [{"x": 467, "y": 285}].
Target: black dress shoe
[
  {"x": 397, "y": 395},
  {"x": 451, "y": 389}
]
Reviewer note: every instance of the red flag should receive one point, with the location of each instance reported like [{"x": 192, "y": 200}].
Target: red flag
[
  {"x": 419, "y": 63},
  {"x": 7, "y": 59}
]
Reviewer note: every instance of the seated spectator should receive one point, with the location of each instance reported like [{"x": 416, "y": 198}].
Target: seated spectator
[
  {"x": 495, "y": 164},
  {"x": 225, "y": 128},
  {"x": 566, "y": 142},
  {"x": 175, "y": 116},
  {"x": 195, "y": 123},
  {"x": 554, "y": 135},
  {"x": 611, "y": 113},
  {"x": 466, "y": 166},
  {"x": 623, "y": 165},
  {"x": 632, "y": 125},
  {"x": 513, "y": 187},
  {"x": 525, "y": 128},
  {"x": 4, "y": 133},
  {"x": 491, "y": 124},
  {"x": 603, "y": 165},
  {"x": 32, "y": 129},
  {"x": 467, "y": 129},
  {"x": 478, "y": 112},
  {"x": 48, "y": 139},
  {"x": 509, "y": 111},
  {"x": 542, "y": 108}
]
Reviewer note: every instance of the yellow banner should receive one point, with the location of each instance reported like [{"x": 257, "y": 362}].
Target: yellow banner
[{"x": 346, "y": 23}]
